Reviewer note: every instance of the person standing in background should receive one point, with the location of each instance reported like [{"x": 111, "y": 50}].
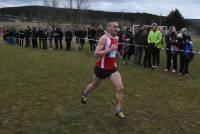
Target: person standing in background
[
  {"x": 147, "y": 57},
  {"x": 60, "y": 32},
  {"x": 40, "y": 31},
  {"x": 82, "y": 36},
  {"x": 68, "y": 40},
  {"x": 56, "y": 37},
  {"x": 171, "y": 49},
  {"x": 139, "y": 42},
  {"x": 44, "y": 38},
  {"x": 21, "y": 38},
  {"x": 127, "y": 42},
  {"x": 91, "y": 38},
  {"x": 183, "y": 40},
  {"x": 28, "y": 36},
  {"x": 154, "y": 41},
  {"x": 34, "y": 38},
  {"x": 50, "y": 36}
]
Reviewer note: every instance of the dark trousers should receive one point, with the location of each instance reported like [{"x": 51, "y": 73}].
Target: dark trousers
[
  {"x": 34, "y": 43},
  {"x": 92, "y": 45},
  {"x": 28, "y": 42},
  {"x": 138, "y": 54},
  {"x": 152, "y": 55},
  {"x": 183, "y": 63},
  {"x": 120, "y": 48},
  {"x": 68, "y": 44},
  {"x": 130, "y": 51},
  {"x": 50, "y": 43},
  {"x": 172, "y": 57},
  {"x": 44, "y": 42},
  {"x": 126, "y": 52},
  {"x": 56, "y": 43},
  {"x": 157, "y": 57},
  {"x": 125, "y": 56},
  {"x": 40, "y": 42},
  {"x": 82, "y": 42},
  {"x": 147, "y": 57}
]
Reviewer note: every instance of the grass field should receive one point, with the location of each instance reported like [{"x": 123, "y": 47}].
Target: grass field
[{"x": 40, "y": 94}]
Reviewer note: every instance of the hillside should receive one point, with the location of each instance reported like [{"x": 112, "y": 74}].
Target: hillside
[{"x": 42, "y": 13}]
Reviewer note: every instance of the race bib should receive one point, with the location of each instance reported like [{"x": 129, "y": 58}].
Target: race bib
[{"x": 112, "y": 54}]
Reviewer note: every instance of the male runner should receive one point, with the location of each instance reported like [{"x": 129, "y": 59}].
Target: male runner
[{"x": 106, "y": 67}]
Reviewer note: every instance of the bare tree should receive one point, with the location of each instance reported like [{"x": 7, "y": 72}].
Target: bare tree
[
  {"x": 52, "y": 12},
  {"x": 81, "y": 5},
  {"x": 51, "y": 3},
  {"x": 69, "y": 4}
]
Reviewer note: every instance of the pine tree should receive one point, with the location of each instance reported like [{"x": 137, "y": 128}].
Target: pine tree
[{"x": 175, "y": 18}]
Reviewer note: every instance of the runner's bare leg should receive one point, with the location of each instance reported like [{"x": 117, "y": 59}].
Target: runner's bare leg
[
  {"x": 117, "y": 82},
  {"x": 92, "y": 86}
]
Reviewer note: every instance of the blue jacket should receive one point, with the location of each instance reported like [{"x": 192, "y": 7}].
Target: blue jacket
[{"x": 188, "y": 48}]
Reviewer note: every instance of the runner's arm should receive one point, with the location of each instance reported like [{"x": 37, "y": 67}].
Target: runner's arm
[{"x": 100, "y": 51}]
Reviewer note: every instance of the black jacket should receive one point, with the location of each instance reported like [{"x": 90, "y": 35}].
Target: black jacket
[
  {"x": 91, "y": 33},
  {"x": 171, "y": 39},
  {"x": 34, "y": 34},
  {"x": 138, "y": 38},
  {"x": 28, "y": 33},
  {"x": 21, "y": 34},
  {"x": 68, "y": 36}
]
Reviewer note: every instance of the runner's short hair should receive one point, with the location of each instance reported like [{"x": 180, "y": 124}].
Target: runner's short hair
[{"x": 154, "y": 24}]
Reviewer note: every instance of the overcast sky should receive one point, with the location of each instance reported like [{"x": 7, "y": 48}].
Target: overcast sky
[{"x": 188, "y": 8}]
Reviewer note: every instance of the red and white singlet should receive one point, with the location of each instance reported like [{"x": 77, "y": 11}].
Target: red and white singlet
[{"x": 108, "y": 62}]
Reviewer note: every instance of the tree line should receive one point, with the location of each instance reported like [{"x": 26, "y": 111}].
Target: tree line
[{"x": 78, "y": 14}]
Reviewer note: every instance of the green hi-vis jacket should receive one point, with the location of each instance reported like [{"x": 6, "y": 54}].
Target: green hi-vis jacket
[{"x": 155, "y": 38}]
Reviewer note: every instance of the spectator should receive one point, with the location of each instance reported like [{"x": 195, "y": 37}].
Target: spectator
[
  {"x": 171, "y": 49},
  {"x": 139, "y": 42},
  {"x": 82, "y": 36},
  {"x": 50, "y": 36},
  {"x": 40, "y": 31},
  {"x": 147, "y": 58},
  {"x": 68, "y": 40},
  {"x": 56, "y": 37},
  {"x": 21, "y": 36},
  {"x": 127, "y": 41},
  {"x": 5, "y": 34},
  {"x": 60, "y": 32},
  {"x": 120, "y": 46},
  {"x": 91, "y": 38},
  {"x": 17, "y": 37},
  {"x": 28, "y": 36},
  {"x": 76, "y": 33},
  {"x": 99, "y": 33},
  {"x": 34, "y": 38},
  {"x": 183, "y": 39},
  {"x": 44, "y": 38},
  {"x": 154, "y": 40}
]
